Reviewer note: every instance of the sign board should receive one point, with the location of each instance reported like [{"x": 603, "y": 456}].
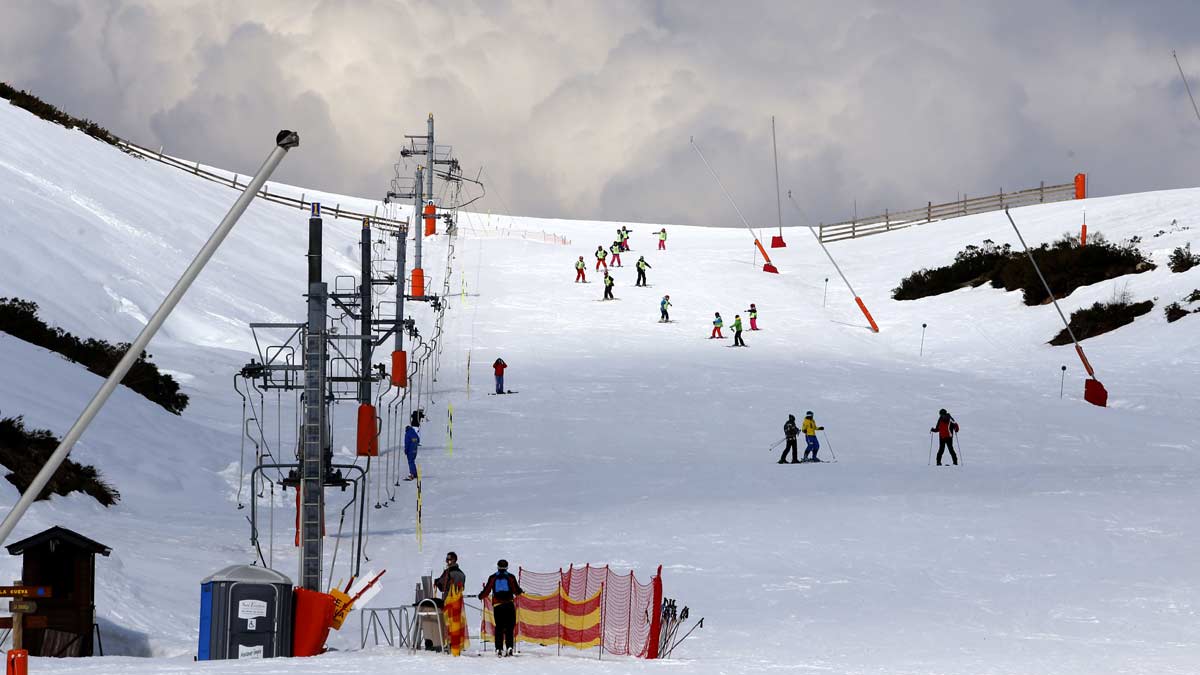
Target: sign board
[
  {"x": 22, "y": 607},
  {"x": 25, "y": 592},
  {"x": 30, "y": 622}
]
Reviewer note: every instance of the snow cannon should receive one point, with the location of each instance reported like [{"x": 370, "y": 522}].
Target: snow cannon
[
  {"x": 430, "y": 212},
  {"x": 768, "y": 267}
]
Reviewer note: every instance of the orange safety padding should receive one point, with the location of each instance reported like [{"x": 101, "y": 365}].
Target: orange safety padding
[
  {"x": 1083, "y": 235},
  {"x": 1081, "y": 186},
  {"x": 399, "y": 369},
  {"x": 1086, "y": 366},
  {"x": 867, "y": 314},
  {"x": 368, "y": 432},
  {"x": 762, "y": 250},
  {"x": 314, "y": 617},
  {"x": 418, "y": 282},
  {"x": 430, "y": 219},
  {"x": 18, "y": 662}
]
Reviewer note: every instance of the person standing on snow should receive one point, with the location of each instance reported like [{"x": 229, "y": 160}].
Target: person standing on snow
[
  {"x": 580, "y": 266},
  {"x": 791, "y": 432},
  {"x": 625, "y": 238},
  {"x": 412, "y": 442},
  {"x": 945, "y": 427},
  {"x": 504, "y": 589},
  {"x": 616, "y": 253},
  {"x": 737, "y": 331},
  {"x": 601, "y": 254},
  {"x": 663, "y": 306},
  {"x": 498, "y": 367},
  {"x": 753, "y": 312},
  {"x": 642, "y": 266},
  {"x": 662, "y": 239},
  {"x": 452, "y": 577},
  {"x": 809, "y": 428},
  {"x": 608, "y": 286},
  {"x": 716, "y": 331}
]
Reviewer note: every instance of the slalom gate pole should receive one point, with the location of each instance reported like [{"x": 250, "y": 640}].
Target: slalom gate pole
[
  {"x": 929, "y": 462},
  {"x": 284, "y": 141},
  {"x": 857, "y": 300},
  {"x": 922, "y": 354},
  {"x": 825, "y": 297},
  {"x": 768, "y": 267},
  {"x": 831, "y": 452},
  {"x": 1078, "y": 349}
]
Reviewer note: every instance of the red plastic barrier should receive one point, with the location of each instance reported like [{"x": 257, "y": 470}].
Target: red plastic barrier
[
  {"x": 18, "y": 662},
  {"x": 368, "y": 432},
  {"x": 1095, "y": 393},
  {"x": 777, "y": 242},
  {"x": 399, "y": 369},
  {"x": 314, "y": 617}
]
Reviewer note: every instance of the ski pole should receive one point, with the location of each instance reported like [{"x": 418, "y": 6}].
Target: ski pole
[
  {"x": 831, "y": 452},
  {"x": 960, "y": 452},
  {"x": 776, "y": 445},
  {"x": 929, "y": 462}
]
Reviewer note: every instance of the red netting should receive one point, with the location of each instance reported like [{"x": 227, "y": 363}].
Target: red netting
[{"x": 630, "y": 609}]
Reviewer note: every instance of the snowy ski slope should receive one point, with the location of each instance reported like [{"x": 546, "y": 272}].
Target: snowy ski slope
[{"x": 1066, "y": 543}]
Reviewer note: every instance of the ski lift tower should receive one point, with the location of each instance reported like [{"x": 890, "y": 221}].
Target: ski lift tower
[{"x": 423, "y": 195}]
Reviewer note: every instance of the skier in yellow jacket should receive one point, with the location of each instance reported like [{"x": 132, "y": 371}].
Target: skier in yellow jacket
[{"x": 809, "y": 428}]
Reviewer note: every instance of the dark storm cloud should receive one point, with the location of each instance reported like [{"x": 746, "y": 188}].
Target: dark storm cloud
[{"x": 584, "y": 110}]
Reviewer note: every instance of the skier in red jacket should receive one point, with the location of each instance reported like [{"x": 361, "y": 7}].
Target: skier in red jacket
[
  {"x": 499, "y": 367},
  {"x": 945, "y": 427}
]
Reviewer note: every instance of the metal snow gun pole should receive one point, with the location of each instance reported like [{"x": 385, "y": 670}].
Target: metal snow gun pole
[
  {"x": 1093, "y": 391},
  {"x": 768, "y": 267},
  {"x": 285, "y": 140},
  {"x": 861, "y": 305}
]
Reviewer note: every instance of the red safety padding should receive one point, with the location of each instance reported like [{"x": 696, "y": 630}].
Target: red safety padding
[
  {"x": 399, "y": 369},
  {"x": 777, "y": 242},
  {"x": 430, "y": 219},
  {"x": 314, "y": 617},
  {"x": 18, "y": 662},
  {"x": 368, "y": 432},
  {"x": 1095, "y": 393},
  {"x": 418, "y": 282},
  {"x": 1081, "y": 186}
]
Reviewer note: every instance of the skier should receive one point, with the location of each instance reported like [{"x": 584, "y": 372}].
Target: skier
[
  {"x": 663, "y": 306},
  {"x": 580, "y": 266},
  {"x": 616, "y": 253},
  {"x": 642, "y": 266},
  {"x": 608, "y": 286},
  {"x": 601, "y": 254},
  {"x": 716, "y": 331},
  {"x": 945, "y": 427},
  {"x": 791, "y": 432},
  {"x": 753, "y": 312},
  {"x": 810, "y": 429},
  {"x": 662, "y": 239},
  {"x": 625, "y": 238},
  {"x": 503, "y": 588},
  {"x": 452, "y": 577},
  {"x": 498, "y": 367},
  {"x": 412, "y": 442},
  {"x": 737, "y": 331}
]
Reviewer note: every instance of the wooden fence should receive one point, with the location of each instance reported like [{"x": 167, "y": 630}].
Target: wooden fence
[{"x": 889, "y": 221}]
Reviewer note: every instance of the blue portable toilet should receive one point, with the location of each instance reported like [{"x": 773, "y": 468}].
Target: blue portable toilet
[{"x": 245, "y": 613}]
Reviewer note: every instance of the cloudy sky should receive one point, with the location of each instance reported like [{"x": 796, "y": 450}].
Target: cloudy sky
[{"x": 581, "y": 109}]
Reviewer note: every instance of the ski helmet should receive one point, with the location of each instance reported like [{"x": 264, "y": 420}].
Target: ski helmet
[
  {"x": 791, "y": 418},
  {"x": 808, "y": 414}
]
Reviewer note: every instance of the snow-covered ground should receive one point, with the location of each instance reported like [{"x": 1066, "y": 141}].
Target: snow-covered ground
[{"x": 1066, "y": 543}]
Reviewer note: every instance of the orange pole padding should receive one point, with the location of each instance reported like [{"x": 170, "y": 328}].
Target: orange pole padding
[
  {"x": 430, "y": 219},
  {"x": 1086, "y": 366},
  {"x": 1081, "y": 186},
  {"x": 18, "y": 662},
  {"x": 763, "y": 251},
  {"x": 867, "y": 314},
  {"x": 418, "y": 282},
  {"x": 368, "y": 431},
  {"x": 1083, "y": 235},
  {"x": 399, "y": 369}
]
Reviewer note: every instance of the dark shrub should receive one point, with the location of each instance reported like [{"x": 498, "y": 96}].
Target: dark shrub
[
  {"x": 23, "y": 452},
  {"x": 1175, "y": 312},
  {"x": 19, "y": 318},
  {"x": 972, "y": 266},
  {"x": 1194, "y": 296},
  {"x": 1182, "y": 260},
  {"x": 1100, "y": 318},
  {"x": 37, "y": 106}
]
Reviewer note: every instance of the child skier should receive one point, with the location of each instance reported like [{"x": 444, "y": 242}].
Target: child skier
[
  {"x": 625, "y": 238},
  {"x": 737, "y": 331},
  {"x": 662, "y": 239},
  {"x": 412, "y": 442},
  {"x": 601, "y": 254},
  {"x": 753, "y": 312},
  {"x": 616, "y": 253},
  {"x": 945, "y": 427},
  {"x": 716, "y": 331},
  {"x": 809, "y": 428},
  {"x": 791, "y": 432},
  {"x": 642, "y": 266},
  {"x": 503, "y": 588},
  {"x": 608, "y": 286},
  {"x": 580, "y": 266},
  {"x": 663, "y": 306}
]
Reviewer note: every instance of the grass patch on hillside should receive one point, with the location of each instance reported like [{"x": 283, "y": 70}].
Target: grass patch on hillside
[
  {"x": 24, "y": 451},
  {"x": 1101, "y": 318},
  {"x": 1182, "y": 259},
  {"x": 1066, "y": 264},
  {"x": 26, "y": 101},
  {"x": 19, "y": 318}
]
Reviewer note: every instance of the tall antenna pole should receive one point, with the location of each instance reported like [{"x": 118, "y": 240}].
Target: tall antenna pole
[{"x": 1185, "y": 84}]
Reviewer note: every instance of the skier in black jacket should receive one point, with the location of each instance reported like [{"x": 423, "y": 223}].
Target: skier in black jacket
[
  {"x": 792, "y": 432},
  {"x": 504, "y": 589}
]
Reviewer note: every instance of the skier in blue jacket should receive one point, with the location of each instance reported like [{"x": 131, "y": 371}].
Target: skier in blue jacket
[{"x": 412, "y": 441}]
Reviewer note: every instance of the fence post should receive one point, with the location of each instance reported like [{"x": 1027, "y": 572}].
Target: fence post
[
  {"x": 1042, "y": 192},
  {"x": 197, "y": 169},
  {"x": 887, "y": 222},
  {"x": 1001, "y": 198},
  {"x": 928, "y": 212},
  {"x": 964, "y": 203}
]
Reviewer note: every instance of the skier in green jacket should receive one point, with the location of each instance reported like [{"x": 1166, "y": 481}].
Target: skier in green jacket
[
  {"x": 737, "y": 331},
  {"x": 642, "y": 266}
]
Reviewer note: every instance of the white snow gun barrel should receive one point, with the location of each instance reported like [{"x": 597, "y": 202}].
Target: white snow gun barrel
[
  {"x": 284, "y": 141},
  {"x": 1093, "y": 391},
  {"x": 861, "y": 305},
  {"x": 768, "y": 267}
]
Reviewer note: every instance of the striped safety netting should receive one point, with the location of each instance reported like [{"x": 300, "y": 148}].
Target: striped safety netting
[{"x": 629, "y": 610}]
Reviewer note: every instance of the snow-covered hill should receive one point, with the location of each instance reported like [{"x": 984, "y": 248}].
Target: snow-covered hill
[{"x": 1065, "y": 543}]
